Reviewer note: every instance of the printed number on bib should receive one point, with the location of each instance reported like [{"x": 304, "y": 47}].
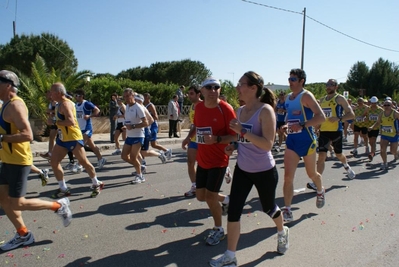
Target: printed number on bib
[
  {"x": 79, "y": 114},
  {"x": 387, "y": 129},
  {"x": 201, "y": 131},
  {"x": 290, "y": 123},
  {"x": 327, "y": 112},
  {"x": 359, "y": 119}
]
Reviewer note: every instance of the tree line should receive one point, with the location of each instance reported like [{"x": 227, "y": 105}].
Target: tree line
[{"x": 40, "y": 60}]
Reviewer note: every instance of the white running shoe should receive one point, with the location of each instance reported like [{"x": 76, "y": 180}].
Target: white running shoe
[
  {"x": 162, "y": 157},
  {"x": 282, "y": 241},
  {"x": 64, "y": 211},
  {"x": 168, "y": 154},
  {"x": 351, "y": 173},
  {"x": 101, "y": 163},
  {"x": 224, "y": 260},
  {"x": 117, "y": 152},
  {"x": 77, "y": 168},
  {"x": 227, "y": 175}
]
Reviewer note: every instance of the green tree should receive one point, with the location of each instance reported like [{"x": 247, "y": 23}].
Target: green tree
[
  {"x": 22, "y": 50},
  {"x": 176, "y": 72},
  {"x": 383, "y": 78},
  {"x": 358, "y": 78}
]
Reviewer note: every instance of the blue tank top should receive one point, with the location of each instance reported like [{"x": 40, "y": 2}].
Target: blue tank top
[
  {"x": 280, "y": 115},
  {"x": 251, "y": 158},
  {"x": 297, "y": 113}
]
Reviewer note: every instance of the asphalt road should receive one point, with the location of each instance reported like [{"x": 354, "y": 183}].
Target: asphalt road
[{"x": 152, "y": 224}]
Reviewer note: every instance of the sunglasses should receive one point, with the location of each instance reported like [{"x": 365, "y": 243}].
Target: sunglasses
[
  {"x": 331, "y": 84},
  {"x": 240, "y": 84},
  {"x": 292, "y": 79},
  {"x": 212, "y": 87},
  {"x": 387, "y": 105}
]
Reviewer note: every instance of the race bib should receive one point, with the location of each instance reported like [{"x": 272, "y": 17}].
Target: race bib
[
  {"x": 327, "y": 112},
  {"x": 79, "y": 114},
  {"x": 359, "y": 119},
  {"x": 280, "y": 112},
  {"x": 201, "y": 131},
  {"x": 373, "y": 117},
  {"x": 386, "y": 129},
  {"x": 290, "y": 123},
  {"x": 240, "y": 139}
]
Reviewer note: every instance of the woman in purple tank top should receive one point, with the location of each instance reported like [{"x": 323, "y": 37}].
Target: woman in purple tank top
[{"x": 255, "y": 127}]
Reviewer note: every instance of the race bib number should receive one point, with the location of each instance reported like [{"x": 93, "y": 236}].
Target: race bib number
[
  {"x": 240, "y": 139},
  {"x": 201, "y": 131},
  {"x": 79, "y": 114},
  {"x": 290, "y": 123},
  {"x": 280, "y": 112},
  {"x": 373, "y": 117},
  {"x": 327, "y": 112},
  {"x": 386, "y": 129},
  {"x": 359, "y": 119}
]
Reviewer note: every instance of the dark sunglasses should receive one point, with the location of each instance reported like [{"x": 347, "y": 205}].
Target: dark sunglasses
[
  {"x": 387, "y": 105},
  {"x": 331, "y": 84},
  {"x": 4, "y": 80},
  {"x": 292, "y": 79},
  {"x": 211, "y": 87}
]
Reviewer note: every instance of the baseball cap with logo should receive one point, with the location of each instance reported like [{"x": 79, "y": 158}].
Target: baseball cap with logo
[{"x": 9, "y": 76}]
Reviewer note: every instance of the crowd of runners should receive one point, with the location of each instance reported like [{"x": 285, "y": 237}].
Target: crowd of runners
[{"x": 294, "y": 123}]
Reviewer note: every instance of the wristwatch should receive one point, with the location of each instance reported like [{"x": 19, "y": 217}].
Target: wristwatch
[
  {"x": 218, "y": 139},
  {"x": 302, "y": 124},
  {"x": 134, "y": 126},
  {"x": 243, "y": 132}
]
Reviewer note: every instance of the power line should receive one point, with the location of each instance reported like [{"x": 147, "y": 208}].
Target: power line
[{"x": 331, "y": 28}]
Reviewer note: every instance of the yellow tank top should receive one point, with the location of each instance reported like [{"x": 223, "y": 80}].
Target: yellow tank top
[
  {"x": 331, "y": 109},
  {"x": 360, "y": 119},
  {"x": 388, "y": 127},
  {"x": 68, "y": 133},
  {"x": 191, "y": 117},
  {"x": 14, "y": 153},
  {"x": 373, "y": 116}
]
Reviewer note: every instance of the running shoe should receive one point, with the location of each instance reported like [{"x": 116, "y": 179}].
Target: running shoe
[
  {"x": 287, "y": 215},
  {"x": 143, "y": 162},
  {"x": 77, "y": 168},
  {"x": 168, "y": 154},
  {"x": 96, "y": 189},
  {"x": 227, "y": 175},
  {"x": 224, "y": 260},
  {"x": 354, "y": 152},
  {"x": 101, "y": 163},
  {"x": 350, "y": 172},
  {"x": 64, "y": 212},
  {"x": 59, "y": 193},
  {"x": 384, "y": 166},
  {"x": 371, "y": 157},
  {"x": 69, "y": 166},
  {"x": 18, "y": 241},
  {"x": 283, "y": 242},
  {"x": 311, "y": 186},
  {"x": 320, "y": 199},
  {"x": 44, "y": 176},
  {"x": 214, "y": 237},
  {"x": 332, "y": 155},
  {"x": 225, "y": 209},
  {"x": 191, "y": 192},
  {"x": 162, "y": 157},
  {"x": 137, "y": 179},
  {"x": 344, "y": 140},
  {"x": 117, "y": 152}
]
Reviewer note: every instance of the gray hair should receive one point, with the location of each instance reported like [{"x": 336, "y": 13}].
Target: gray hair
[
  {"x": 129, "y": 90},
  {"x": 59, "y": 87}
]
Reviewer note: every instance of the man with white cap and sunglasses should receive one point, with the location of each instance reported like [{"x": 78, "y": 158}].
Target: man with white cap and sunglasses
[{"x": 212, "y": 134}]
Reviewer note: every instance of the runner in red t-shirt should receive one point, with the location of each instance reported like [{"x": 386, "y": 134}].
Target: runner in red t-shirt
[{"x": 212, "y": 134}]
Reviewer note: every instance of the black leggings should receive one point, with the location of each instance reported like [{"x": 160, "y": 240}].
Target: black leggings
[{"x": 265, "y": 182}]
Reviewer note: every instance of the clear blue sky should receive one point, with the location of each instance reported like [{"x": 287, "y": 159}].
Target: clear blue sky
[{"x": 229, "y": 36}]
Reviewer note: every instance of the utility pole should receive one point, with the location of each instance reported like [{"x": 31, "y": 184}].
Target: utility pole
[{"x": 303, "y": 37}]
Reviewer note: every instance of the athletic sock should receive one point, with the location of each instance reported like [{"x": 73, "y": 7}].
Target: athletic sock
[
  {"x": 22, "y": 231},
  {"x": 230, "y": 254},
  {"x": 281, "y": 232},
  {"x": 62, "y": 185},
  {"x": 346, "y": 166},
  {"x": 95, "y": 181},
  {"x": 194, "y": 185},
  {"x": 55, "y": 206}
]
